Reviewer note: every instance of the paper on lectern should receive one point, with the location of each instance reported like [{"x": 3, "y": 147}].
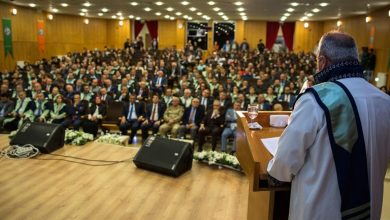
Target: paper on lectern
[{"x": 271, "y": 144}]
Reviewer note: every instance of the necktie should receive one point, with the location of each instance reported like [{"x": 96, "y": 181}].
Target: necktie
[
  {"x": 154, "y": 112},
  {"x": 39, "y": 108},
  {"x": 130, "y": 112},
  {"x": 192, "y": 115}
]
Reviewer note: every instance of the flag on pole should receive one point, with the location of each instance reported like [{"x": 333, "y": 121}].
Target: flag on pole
[
  {"x": 41, "y": 36},
  {"x": 7, "y": 32}
]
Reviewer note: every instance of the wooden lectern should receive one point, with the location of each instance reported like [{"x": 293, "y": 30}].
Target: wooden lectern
[{"x": 264, "y": 202}]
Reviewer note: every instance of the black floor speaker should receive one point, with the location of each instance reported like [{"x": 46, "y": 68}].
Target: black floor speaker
[
  {"x": 165, "y": 156},
  {"x": 46, "y": 137}
]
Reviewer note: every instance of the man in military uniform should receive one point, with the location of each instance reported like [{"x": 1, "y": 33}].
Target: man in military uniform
[{"x": 172, "y": 118}]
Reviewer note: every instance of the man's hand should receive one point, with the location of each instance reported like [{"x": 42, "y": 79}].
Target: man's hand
[
  {"x": 123, "y": 120},
  {"x": 202, "y": 127}
]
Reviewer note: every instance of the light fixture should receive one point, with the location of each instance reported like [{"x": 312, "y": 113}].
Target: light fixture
[
  {"x": 220, "y": 13},
  {"x": 324, "y": 4},
  {"x": 306, "y": 25},
  {"x": 137, "y": 18},
  {"x": 368, "y": 19},
  {"x": 100, "y": 14},
  {"x": 131, "y": 16},
  {"x": 283, "y": 18},
  {"x": 120, "y": 23},
  {"x": 32, "y": 5},
  {"x": 304, "y": 18},
  {"x": 54, "y": 10},
  {"x": 87, "y": 4},
  {"x": 309, "y": 14},
  {"x": 64, "y": 5},
  {"x": 200, "y": 13},
  {"x": 294, "y": 4},
  {"x": 178, "y": 13},
  {"x": 290, "y": 9},
  {"x": 86, "y": 21},
  {"x": 339, "y": 23},
  {"x": 192, "y": 9},
  {"x": 119, "y": 13},
  {"x": 185, "y": 16},
  {"x": 189, "y": 18},
  {"x": 241, "y": 9},
  {"x": 389, "y": 13},
  {"x": 158, "y": 13},
  {"x": 238, "y": 3},
  {"x": 315, "y": 10},
  {"x": 216, "y": 9},
  {"x": 242, "y": 13},
  {"x": 82, "y": 14},
  {"x": 50, "y": 17},
  {"x": 211, "y": 3},
  {"x": 104, "y": 9},
  {"x": 134, "y": 3},
  {"x": 172, "y": 18},
  {"x": 121, "y": 18},
  {"x": 114, "y": 16},
  {"x": 170, "y": 9},
  {"x": 286, "y": 14},
  {"x": 147, "y": 9},
  {"x": 159, "y": 3},
  {"x": 244, "y": 18},
  {"x": 167, "y": 16},
  {"x": 14, "y": 11},
  {"x": 185, "y": 3},
  {"x": 84, "y": 10}
]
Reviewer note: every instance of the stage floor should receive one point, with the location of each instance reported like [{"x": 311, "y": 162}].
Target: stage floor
[{"x": 54, "y": 189}]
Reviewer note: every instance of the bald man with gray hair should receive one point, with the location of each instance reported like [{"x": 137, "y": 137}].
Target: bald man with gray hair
[{"x": 336, "y": 147}]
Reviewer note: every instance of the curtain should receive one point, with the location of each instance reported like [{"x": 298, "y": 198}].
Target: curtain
[
  {"x": 153, "y": 28},
  {"x": 288, "y": 29},
  {"x": 272, "y": 33},
  {"x": 138, "y": 25}
]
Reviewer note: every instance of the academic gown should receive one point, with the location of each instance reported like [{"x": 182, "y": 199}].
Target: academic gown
[{"x": 304, "y": 154}]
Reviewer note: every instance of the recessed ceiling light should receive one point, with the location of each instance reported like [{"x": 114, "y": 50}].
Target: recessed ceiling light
[
  {"x": 119, "y": 13},
  {"x": 241, "y": 9},
  {"x": 309, "y": 14},
  {"x": 114, "y": 16},
  {"x": 242, "y": 13},
  {"x": 100, "y": 14},
  {"x": 185, "y": 3},
  {"x": 14, "y": 11},
  {"x": 290, "y": 9},
  {"x": 134, "y": 3},
  {"x": 104, "y": 10},
  {"x": 82, "y": 13},
  {"x": 199, "y": 13},
  {"x": 131, "y": 16},
  {"x": 306, "y": 25},
  {"x": 185, "y": 16},
  {"x": 368, "y": 19},
  {"x": 339, "y": 23},
  {"x": 87, "y": 4},
  {"x": 167, "y": 16},
  {"x": 172, "y": 18},
  {"x": 315, "y": 10},
  {"x": 54, "y": 10},
  {"x": 64, "y": 5},
  {"x": 147, "y": 9},
  {"x": 178, "y": 13},
  {"x": 121, "y": 18},
  {"x": 220, "y": 13},
  {"x": 158, "y": 13},
  {"x": 304, "y": 18},
  {"x": 50, "y": 16},
  {"x": 170, "y": 9},
  {"x": 244, "y": 18},
  {"x": 189, "y": 18},
  {"x": 211, "y": 3},
  {"x": 295, "y": 4},
  {"x": 84, "y": 10},
  {"x": 238, "y": 3},
  {"x": 216, "y": 9},
  {"x": 32, "y": 5},
  {"x": 192, "y": 9},
  {"x": 159, "y": 3},
  {"x": 324, "y": 4},
  {"x": 137, "y": 18},
  {"x": 86, "y": 21},
  {"x": 286, "y": 14},
  {"x": 283, "y": 18},
  {"x": 120, "y": 23}
]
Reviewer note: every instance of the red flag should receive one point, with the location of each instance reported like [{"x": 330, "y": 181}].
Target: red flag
[{"x": 41, "y": 37}]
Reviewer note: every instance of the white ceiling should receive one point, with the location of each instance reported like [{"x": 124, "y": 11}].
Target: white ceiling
[{"x": 254, "y": 9}]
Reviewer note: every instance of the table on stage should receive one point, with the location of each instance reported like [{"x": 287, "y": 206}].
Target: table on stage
[{"x": 264, "y": 202}]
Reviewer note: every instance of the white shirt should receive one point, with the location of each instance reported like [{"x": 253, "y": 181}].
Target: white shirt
[
  {"x": 305, "y": 156},
  {"x": 133, "y": 114}
]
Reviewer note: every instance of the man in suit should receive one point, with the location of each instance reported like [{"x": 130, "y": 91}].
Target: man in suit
[
  {"x": 96, "y": 114},
  {"x": 105, "y": 97},
  {"x": 243, "y": 101},
  {"x": 172, "y": 118},
  {"x": 230, "y": 127},
  {"x": 153, "y": 117},
  {"x": 159, "y": 82},
  {"x": 224, "y": 101},
  {"x": 132, "y": 116},
  {"x": 191, "y": 120},
  {"x": 42, "y": 108},
  {"x": 173, "y": 74},
  {"x": 205, "y": 100},
  {"x": 228, "y": 86},
  {"x": 287, "y": 97},
  {"x": 6, "y": 107},
  {"x": 264, "y": 105},
  {"x": 212, "y": 124},
  {"x": 244, "y": 45},
  {"x": 79, "y": 112},
  {"x": 142, "y": 92}
]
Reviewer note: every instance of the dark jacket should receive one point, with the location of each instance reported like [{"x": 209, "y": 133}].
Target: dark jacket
[
  {"x": 199, "y": 115},
  {"x": 139, "y": 109}
]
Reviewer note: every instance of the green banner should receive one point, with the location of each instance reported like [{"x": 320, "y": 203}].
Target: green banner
[{"x": 7, "y": 32}]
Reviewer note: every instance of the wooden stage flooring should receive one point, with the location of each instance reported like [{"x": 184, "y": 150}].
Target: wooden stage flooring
[{"x": 53, "y": 189}]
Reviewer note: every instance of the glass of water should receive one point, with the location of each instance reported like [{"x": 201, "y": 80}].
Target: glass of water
[{"x": 252, "y": 112}]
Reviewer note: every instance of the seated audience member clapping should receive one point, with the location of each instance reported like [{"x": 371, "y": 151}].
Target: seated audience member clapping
[
  {"x": 42, "y": 108},
  {"x": 230, "y": 127},
  {"x": 153, "y": 116},
  {"x": 212, "y": 124},
  {"x": 79, "y": 111},
  {"x": 96, "y": 115},
  {"x": 132, "y": 116},
  {"x": 191, "y": 120},
  {"x": 22, "y": 112},
  {"x": 172, "y": 118},
  {"x": 59, "y": 112}
]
